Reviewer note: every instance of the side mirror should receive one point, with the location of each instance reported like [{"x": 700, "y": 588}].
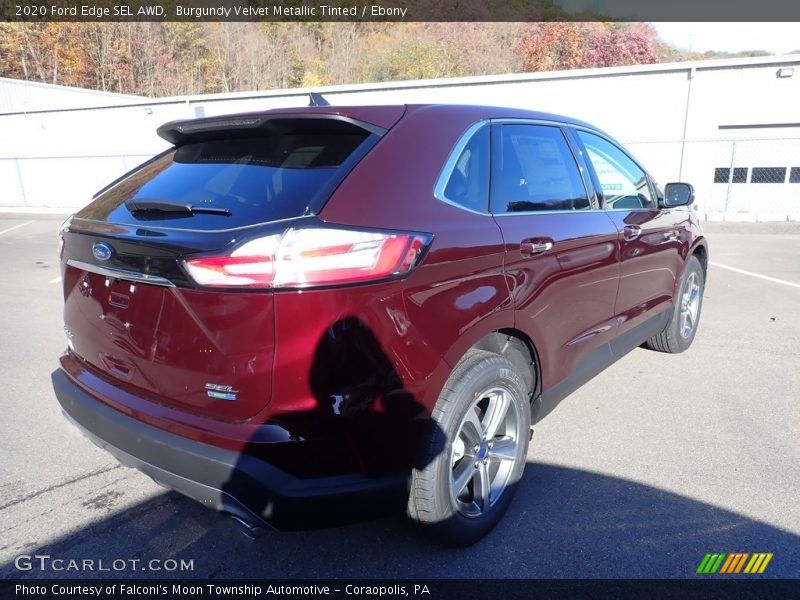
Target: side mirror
[{"x": 678, "y": 194}]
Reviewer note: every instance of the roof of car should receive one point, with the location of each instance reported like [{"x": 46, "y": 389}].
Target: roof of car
[
  {"x": 380, "y": 116},
  {"x": 471, "y": 110}
]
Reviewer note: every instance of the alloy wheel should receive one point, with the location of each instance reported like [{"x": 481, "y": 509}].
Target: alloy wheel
[
  {"x": 484, "y": 452},
  {"x": 690, "y": 305}
]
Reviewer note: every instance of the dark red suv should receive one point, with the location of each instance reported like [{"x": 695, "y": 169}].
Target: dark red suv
[{"x": 305, "y": 315}]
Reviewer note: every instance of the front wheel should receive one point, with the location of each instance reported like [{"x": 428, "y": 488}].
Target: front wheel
[
  {"x": 679, "y": 333},
  {"x": 476, "y": 452}
]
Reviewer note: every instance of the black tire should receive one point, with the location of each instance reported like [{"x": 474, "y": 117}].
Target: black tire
[
  {"x": 450, "y": 520},
  {"x": 676, "y": 338}
]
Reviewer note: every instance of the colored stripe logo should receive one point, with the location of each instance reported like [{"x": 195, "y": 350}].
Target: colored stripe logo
[{"x": 734, "y": 562}]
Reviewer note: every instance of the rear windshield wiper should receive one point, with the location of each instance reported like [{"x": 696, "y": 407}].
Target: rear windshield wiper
[{"x": 164, "y": 206}]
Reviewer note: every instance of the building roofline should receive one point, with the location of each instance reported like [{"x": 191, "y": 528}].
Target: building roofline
[
  {"x": 58, "y": 86},
  {"x": 687, "y": 66}
]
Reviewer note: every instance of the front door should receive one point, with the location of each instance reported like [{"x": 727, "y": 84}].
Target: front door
[{"x": 650, "y": 244}]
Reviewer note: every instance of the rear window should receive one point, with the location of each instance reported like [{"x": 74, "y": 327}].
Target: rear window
[{"x": 243, "y": 181}]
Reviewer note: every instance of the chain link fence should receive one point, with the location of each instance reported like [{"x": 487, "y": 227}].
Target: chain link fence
[{"x": 755, "y": 179}]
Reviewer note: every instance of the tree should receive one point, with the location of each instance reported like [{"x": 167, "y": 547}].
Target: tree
[
  {"x": 107, "y": 61},
  {"x": 148, "y": 59},
  {"x": 551, "y": 46},
  {"x": 173, "y": 58},
  {"x": 187, "y": 44},
  {"x": 554, "y": 46},
  {"x": 615, "y": 48}
]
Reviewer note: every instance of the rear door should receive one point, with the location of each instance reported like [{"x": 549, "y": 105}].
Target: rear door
[
  {"x": 650, "y": 240},
  {"x": 561, "y": 249},
  {"x": 133, "y": 315}
]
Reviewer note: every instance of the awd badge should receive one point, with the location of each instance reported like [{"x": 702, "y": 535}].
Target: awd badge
[{"x": 221, "y": 392}]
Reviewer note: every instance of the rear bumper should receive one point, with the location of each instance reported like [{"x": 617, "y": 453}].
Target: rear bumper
[{"x": 223, "y": 479}]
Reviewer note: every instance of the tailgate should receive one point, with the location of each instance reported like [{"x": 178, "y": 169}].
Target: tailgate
[{"x": 203, "y": 351}]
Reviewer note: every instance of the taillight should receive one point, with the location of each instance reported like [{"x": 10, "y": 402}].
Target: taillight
[
  {"x": 311, "y": 257},
  {"x": 63, "y": 228},
  {"x": 250, "y": 265}
]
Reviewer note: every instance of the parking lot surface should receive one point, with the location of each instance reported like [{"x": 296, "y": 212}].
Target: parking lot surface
[{"x": 657, "y": 461}]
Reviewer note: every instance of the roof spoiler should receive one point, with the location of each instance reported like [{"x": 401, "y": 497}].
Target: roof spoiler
[{"x": 198, "y": 130}]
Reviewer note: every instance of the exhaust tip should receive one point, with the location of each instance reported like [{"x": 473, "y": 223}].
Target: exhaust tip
[{"x": 250, "y": 530}]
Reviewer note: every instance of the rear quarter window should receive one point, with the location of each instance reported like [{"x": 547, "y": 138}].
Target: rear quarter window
[{"x": 468, "y": 183}]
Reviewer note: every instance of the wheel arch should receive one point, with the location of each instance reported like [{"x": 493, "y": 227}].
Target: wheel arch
[
  {"x": 700, "y": 250},
  {"x": 518, "y": 348}
]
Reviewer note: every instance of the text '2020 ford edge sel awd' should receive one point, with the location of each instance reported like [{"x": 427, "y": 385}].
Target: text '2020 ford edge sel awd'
[{"x": 305, "y": 315}]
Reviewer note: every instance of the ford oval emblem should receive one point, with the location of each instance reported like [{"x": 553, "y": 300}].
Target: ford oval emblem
[{"x": 102, "y": 251}]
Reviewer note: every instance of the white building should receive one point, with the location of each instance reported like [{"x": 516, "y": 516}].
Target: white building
[
  {"x": 17, "y": 95},
  {"x": 730, "y": 127}
]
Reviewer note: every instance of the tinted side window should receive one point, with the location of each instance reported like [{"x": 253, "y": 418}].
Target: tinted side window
[
  {"x": 468, "y": 185},
  {"x": 533, "y": 169},
  {"x": 622, "y": 183}
]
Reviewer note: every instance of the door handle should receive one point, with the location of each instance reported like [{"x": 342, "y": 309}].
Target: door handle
[
  {"x": 631, "y": 232},
  {"x": 530, "y": 248}
]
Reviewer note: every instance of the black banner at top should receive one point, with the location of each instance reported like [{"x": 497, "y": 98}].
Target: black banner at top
[{"x": 397, "y": 10}]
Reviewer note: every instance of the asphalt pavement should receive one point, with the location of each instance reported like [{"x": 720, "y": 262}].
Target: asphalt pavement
[{"x": 654, "y": 463}]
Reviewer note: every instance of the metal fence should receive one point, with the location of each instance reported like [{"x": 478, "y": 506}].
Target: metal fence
[
  {"x": 761, "y": 177},
  {"x": 735, "y": 179}
]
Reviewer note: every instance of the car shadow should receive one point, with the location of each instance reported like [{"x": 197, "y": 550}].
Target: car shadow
[
  {"x": 564, "y": 523},
  {"x": 363, "y": 424}
]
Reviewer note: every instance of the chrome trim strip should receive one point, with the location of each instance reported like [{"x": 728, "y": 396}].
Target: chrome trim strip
[
  {"x": 120, "y": 273},
  {"x": 158, "y": 228},
  {"x": 450, "y": 164},
  {"x": 524, "y": 121},
  {"x": 559, "y": 211}
]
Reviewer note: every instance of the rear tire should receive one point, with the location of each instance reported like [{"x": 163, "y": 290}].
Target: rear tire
[
  {"x": 679, "y": 333},
  {"x": 475, "y": 454}
]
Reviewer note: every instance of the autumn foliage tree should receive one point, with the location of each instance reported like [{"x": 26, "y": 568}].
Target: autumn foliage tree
[
  {"x": 551, "y": 47},
  {"x": 164, "y": 59},
  {"x": 556, "y": 45},
  {"x": 618, "y": 47}
]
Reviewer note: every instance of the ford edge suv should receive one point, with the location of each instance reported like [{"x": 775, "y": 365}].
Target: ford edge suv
[{"x": 303, "y": 316}]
